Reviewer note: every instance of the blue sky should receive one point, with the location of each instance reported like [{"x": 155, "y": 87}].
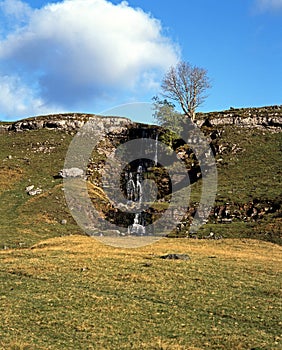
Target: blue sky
[{"x": 91, "y": 55}]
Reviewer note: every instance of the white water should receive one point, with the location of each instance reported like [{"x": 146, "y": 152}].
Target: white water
[{"x": 156, "y": 149}]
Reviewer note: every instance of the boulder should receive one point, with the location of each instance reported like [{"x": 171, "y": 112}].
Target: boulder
[
  {"x": 174, "y": 256},
  {"x": 31, "y": 191},
  {"x": 71, "y": 172}
]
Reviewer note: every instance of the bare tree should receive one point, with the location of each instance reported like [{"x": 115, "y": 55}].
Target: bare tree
[{"x": 186, "y": 85}]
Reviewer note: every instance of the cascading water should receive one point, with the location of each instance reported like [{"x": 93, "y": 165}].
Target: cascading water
[
  {"x": 139, "y": 189},
  {"x": 137, "y": 228},
  {"x": 130, "y": 188},
  {"x": 134, "y": 190},
  {"x": 156, "y": 149}
]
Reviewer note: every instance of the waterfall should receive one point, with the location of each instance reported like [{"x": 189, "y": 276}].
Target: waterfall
[
  {"x": 134, "y": 192},
  {"x": 130, "y": 188},
  {"x": 137, "y": 228},
  {"x": 156, "y": 149},
  {"x": 139, "y": 189}
]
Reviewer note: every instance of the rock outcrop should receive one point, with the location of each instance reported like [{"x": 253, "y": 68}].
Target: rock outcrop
[
  {"x": 72, "y": 172},
  {"x": 68, "y": 122},
  {"x": 263, "y": 117},
  {"x": 4, "y": 127}
]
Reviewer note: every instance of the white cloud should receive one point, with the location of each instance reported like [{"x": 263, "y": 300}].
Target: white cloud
[
  {"x": 18, "y": 100},
  {"x": 78, "y": 51},
  {"x": 269, "y": 5},
  {"x": 15, "y": 8},
  {"x": 15, "y": 13}
]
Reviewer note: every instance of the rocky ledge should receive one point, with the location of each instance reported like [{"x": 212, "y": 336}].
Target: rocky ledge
[
  {"x": 70, "y": 122},
  {"x": 262, "y": 117},
  {"x": 269, "y": 117}
]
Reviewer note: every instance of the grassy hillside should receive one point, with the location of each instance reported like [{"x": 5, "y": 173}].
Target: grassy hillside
[
  {"x": 60, "y": 289},
  {"x": 252, "y": 170},
  {"x": 75, "y": 293},
  {"x": 249, "y": 171},
  {"x": 32, "y": 158}
]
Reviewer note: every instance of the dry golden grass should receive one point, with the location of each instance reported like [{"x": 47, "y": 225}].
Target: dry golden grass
[
  {"x": 39, "y": 218},
  {"x": 8, "y": 177},
  {"x": 77, "y": 293},
  {"x": 239, "y": 249},
  {"x": 95, "y": 191}
]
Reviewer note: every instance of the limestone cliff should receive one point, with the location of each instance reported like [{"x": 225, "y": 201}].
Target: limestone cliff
[
  {"x": 262, "y": 117},
  {"x": 269, "y": 117}
]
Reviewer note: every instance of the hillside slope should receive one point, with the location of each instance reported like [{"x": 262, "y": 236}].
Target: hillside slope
[{"x": 32, "y": 152}]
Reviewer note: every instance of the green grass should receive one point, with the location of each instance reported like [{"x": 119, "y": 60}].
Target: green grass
[
  {"x": 62, "y": 290},
  {"x": 254, "y": 170},
  {"x": 250, "y": 173},
  {"x": 75, "y": 293},
  {"x": 36, "y": 156}
]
